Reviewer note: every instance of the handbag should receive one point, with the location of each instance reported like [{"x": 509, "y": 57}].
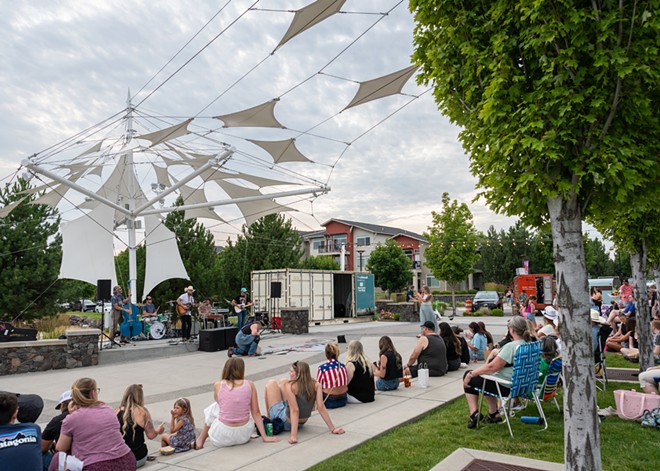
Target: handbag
[
  {"x": 630, "y": 405},
  {"x": 423, "y": 375}
]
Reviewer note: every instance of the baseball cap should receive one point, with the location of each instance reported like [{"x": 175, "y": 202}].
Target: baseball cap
[
  {"x": 429, "y": 325},
  {"x": 456, "y": 329},
  {"x": 29, "y": 407},
  {"x": 65, "y": 396},
  {"x": 243, "y": 290}
]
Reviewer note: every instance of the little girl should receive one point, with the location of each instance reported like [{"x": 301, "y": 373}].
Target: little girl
[
  {"x": 478, "y": 343},
  {"x": 182, "y": 427}
]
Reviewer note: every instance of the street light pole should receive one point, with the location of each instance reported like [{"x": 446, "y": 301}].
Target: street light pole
[{"x": 360, "y": 252}]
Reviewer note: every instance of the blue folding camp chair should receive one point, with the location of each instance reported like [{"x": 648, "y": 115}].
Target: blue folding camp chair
[
  {"x": 548, "y": 388},
  {"x": 523, "y": 382}
]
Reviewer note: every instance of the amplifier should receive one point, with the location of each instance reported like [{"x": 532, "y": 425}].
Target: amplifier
[{"x": 212, "y": 340}]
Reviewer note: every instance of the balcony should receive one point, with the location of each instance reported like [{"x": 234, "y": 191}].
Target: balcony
[{"x": 331, "y": 247}]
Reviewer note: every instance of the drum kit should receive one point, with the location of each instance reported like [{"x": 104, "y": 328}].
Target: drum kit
[{"x": 158, "y": 326}]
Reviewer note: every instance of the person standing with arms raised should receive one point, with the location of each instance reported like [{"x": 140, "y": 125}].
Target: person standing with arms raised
[
  {"x": 184, "y": 307},
  {"x": 241, "y": 304}
]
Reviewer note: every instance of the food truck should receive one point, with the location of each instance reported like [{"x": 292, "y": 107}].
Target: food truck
[{"x": 540, "y": 285}]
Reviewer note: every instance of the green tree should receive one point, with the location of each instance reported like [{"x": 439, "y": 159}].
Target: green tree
[
  {"x": 596, "y": 257},
  {"x": 31, "y": 255},
  {"x": 556, "y": 100},
  {"x": 620, "y": 265},
  {"x": 269, "y": 243},
  {"x": 390, "y": 266},
  {"x": 453, "y": 241},
  {"x": 320, "y": 262}
]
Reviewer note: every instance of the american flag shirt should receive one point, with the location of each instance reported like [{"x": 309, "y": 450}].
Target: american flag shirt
[{"x": 332, "y": 374}]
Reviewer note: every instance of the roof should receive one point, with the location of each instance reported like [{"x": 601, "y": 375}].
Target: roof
[
  {"x": 311, "y": 234},
  {"x": 379, "y": 229}
]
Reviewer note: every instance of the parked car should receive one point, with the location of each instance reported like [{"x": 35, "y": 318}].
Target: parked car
[
  {"x": 101, "y": 307},
  {"x": 489, "y": 299},
  {"x": 83, "y": 305}
]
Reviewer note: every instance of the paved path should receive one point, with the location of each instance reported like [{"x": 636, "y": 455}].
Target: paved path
[{"x": 192, "y": 375}]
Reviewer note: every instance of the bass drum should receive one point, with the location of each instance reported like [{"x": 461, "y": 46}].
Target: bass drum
[{"x": 157, "y": 330}]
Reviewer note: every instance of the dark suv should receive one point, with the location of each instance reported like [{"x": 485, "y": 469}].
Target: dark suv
[{"x": 489, "y": 299}]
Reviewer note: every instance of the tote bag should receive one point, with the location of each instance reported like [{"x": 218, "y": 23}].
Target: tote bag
[{"x": 630, "y": 405}]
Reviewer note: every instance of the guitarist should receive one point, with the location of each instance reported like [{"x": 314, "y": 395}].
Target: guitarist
[
  {"x": 118, "y": 300},
  {"x": 185, "y": 304},
  {"x": 241, "y": 303}
]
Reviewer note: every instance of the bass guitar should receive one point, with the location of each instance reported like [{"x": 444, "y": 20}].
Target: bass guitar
[{"x": 130, "y": 325}]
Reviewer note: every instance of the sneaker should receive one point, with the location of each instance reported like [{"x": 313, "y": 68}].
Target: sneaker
[
  {"x": 518, "y": 407},
  {"x": 474, "y": 420},
  {"x": 494, "y": 418},
  {"x": 230, "y": 352}
]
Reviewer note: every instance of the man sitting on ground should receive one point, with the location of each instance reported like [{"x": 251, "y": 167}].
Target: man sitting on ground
[
  {"x": 20, "y": 443},
  {"x": 430, "y": 352},
  {"x": 52, "y": 430}
]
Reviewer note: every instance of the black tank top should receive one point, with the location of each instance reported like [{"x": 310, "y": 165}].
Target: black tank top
[
  {"x": 391, "y": 370},
  {"x": 362, "y": 385},
  {"x": 247, "y": 328},
  {"x": 134, "y": 438},
  {"x": 434, "y": 356}
]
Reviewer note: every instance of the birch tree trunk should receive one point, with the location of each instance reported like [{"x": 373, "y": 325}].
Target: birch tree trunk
[
  {"x": 644, "y": 335},
  {"x": 581, "y": 427}
]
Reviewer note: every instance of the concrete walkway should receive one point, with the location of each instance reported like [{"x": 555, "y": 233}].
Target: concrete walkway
[{"x": 192, "y": 375}]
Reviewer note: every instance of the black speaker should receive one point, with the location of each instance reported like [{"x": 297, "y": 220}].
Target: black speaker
[
  {"x": 212, "y": 340},
  {"x": 103, "y": 290},
  {"x": 275, "y": 289},
  {"x": 230, "y": 336}
]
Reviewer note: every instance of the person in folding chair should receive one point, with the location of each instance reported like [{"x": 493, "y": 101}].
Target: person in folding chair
[{"x": 502, "y": 367}]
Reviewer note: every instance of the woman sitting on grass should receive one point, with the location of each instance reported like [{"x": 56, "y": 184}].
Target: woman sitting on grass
[
  {"x": 293, "y": 400},
  {"x": 625, "y": 336},
  {"x": 502, "y": 367},
  {"x": 360, "y": 374},
  {"x": 389, "y": 369},
  {"x": 227, "y": 421}
]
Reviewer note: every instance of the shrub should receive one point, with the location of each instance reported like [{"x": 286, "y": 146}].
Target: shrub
[
  {"x": 473, "y": 314},
  {"x": 397, "y": 316},
  {"x": 497, "y": 313},
  {"x": 483, "y": 311}
]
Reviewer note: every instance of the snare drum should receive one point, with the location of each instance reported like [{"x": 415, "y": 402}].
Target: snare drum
[{"x": 157, "y": 330}]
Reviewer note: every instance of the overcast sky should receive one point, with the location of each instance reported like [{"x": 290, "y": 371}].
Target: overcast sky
[{"x": 68, "y": 65}]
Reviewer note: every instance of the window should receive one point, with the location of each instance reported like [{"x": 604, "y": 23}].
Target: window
[
  {"x": 431, "y": 282},
  {"x": 318, "y": 245},
  {"x": 337, "y": 242},
  {"x": 364, "y": 240}
]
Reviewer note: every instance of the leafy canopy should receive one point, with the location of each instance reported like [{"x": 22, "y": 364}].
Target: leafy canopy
[
  {"x": 390, "y": 266},
  {"x": 453, "y": 240}
]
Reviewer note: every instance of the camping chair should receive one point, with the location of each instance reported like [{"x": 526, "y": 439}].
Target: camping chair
[
  {"x": 523, "y": 382},
  {"x": 548, "y": 388}
]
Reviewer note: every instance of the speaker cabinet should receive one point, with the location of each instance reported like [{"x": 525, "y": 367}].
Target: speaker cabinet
[
  {"x": 103, "y": 290},
  {"x": 212, "y": 340},
  {"x": 230, "y": 336},
  {"x": 276, "y": 289}
]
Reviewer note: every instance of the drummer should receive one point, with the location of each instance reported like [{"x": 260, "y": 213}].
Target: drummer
[{"x": 149, "y": 310}]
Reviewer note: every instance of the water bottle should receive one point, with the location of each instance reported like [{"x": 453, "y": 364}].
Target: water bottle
[
  {"x": 41, "y": 335},
  {"x": 530, "y": 419}
]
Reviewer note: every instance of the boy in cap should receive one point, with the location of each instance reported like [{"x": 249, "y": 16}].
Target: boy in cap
[
  {"x": 20, "y": 443},
  {"x": 52, "y": 430}
]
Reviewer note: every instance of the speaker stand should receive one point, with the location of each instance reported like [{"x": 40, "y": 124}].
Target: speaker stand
[{"x": 103, "y": 334}]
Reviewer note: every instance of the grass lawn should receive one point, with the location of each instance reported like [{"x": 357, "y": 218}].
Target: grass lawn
[
  {"x": 616, "y": 360},
  {"x": 420, "y": 445}
]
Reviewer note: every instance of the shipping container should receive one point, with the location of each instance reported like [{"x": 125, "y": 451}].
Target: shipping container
[{"x": 329, "y": 295}]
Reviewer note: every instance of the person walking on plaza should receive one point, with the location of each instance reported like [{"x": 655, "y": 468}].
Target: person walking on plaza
[
  {"x": 184, "y": 307},
  {"x": 241, "y": 304}
]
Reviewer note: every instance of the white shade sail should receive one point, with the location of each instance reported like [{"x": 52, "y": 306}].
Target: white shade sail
[
  {"x": 92, "y": 149},
  {"x": 258, "y": 116},
  {"x": 53, "y": 197},
  {"x": 282, "y": 151},
  {"x": 85, "y": 242},
  {"x": 167, "y": 134},
  {"x": 5, "y": 210},
  {"x": 381, "y": 87},
  {"x": 252, "y": 210},
  {"x": 309, "y": 16},
  {"x": 163, "y": 258}
]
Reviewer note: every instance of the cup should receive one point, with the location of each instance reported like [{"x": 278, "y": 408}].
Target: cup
[{"x": 406, "y": 381}]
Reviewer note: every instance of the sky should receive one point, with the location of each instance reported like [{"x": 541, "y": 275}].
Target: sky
[{"x": 68, "y": 65}]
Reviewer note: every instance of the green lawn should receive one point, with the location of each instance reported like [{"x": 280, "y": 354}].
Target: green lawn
[
  {"x": 420, "y": 445},
  {"x": 616, "y": 360}
]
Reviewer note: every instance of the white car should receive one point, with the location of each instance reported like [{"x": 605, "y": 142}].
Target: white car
[{"x": 106, "y": 308}]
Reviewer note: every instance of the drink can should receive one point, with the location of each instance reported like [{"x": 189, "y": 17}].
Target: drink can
[{"x": 269, "y": 430}]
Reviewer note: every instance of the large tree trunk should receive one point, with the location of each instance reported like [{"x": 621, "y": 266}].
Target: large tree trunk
[
  {"x": 644, "y": 335},
  {"x": 581, "y": 428}
]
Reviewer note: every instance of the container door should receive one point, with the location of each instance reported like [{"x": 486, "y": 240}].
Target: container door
[
  {"x": 548, "y": 295},
  {"x": 365, "y": 297},
  {"x": 321, "y": 296}
]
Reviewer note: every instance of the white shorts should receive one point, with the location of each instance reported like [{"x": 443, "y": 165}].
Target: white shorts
[{"x": 222, "y": 435}]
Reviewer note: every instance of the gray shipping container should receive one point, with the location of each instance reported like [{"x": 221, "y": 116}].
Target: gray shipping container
[{"x": 329, "y": 295}]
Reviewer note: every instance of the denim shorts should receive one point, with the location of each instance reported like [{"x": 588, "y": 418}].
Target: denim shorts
[
  {"x": 387, "y": 384},
  {"x": 278, "y": 411}
]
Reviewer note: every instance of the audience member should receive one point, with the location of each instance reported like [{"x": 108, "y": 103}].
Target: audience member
[
  {"x": 52, "y": 431},
  {"x": 20, "y": 443},
  {"x": 550, "y": 319},
  {"x": 388, "y": 371},
  {"x": 502, "y": 367},
  {"x": 489, "y": 338},
  {"x": 231, "y": 419},
  {"x": 91, "y": 432},
  {"x": 135, "y": 422},
  {"x": 360, "y": 374},
  {"x": 429, "y": 352},
  {"x": 478, "y": 344},
  {"x": 465, "y": 350},
  {"x": 530, "y": 311},
  {"x": 625, "y": 337},
  {"x": 333, "y": 378},
  {"x": 182, "y": 427},
  {"x": 453, "y": 345},
  {"x": 626, "y": 291},
  {"x": 293, "y": 400}
]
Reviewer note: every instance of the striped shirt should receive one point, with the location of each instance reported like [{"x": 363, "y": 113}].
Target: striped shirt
[{"x": 332, "y": 374}]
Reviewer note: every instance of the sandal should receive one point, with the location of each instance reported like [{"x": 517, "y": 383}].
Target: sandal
[
  {"x": 151, "y": 458},
  {"x": 494, "y": 418},
  {"x": 474, "y": 419}
]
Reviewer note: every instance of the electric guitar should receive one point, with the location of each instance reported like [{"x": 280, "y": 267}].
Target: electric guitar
[{"x": 238, "y": 308}]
